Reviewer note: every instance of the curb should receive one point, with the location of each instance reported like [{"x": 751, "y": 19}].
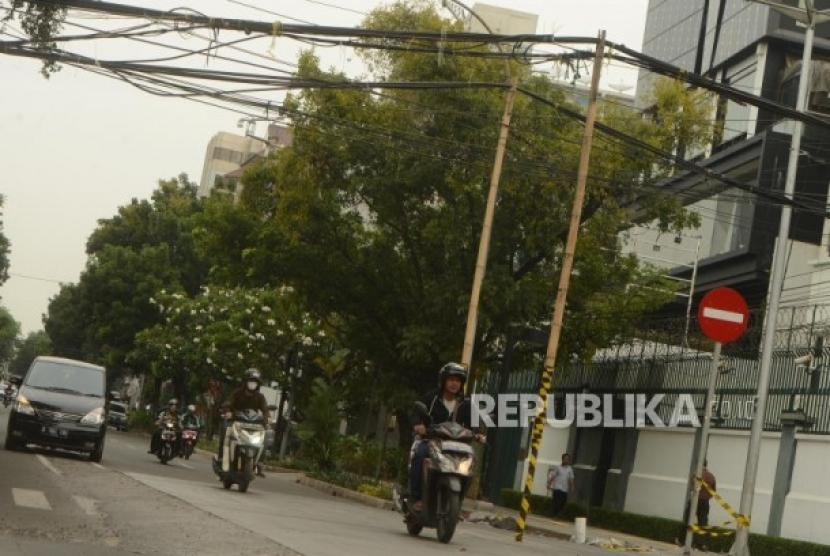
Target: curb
[{"x": 346, "y": 493}]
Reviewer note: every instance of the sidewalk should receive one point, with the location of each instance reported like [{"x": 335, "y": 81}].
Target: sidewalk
[{"x": 486, "y": 514}]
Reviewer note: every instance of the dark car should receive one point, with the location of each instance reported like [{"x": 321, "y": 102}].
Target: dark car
[
  {"x": 61, "y": 403},
  {"x": 117, "y": 416}
]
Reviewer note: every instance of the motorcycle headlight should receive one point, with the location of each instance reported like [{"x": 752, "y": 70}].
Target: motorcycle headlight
[
  {"x": 23, "y": 406},
  {"x": 94, "y": 417},
  {"x": 252, "y": 437}
]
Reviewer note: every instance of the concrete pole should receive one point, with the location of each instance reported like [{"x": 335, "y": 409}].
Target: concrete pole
[
  {"x": 784, "y": 469},
  {"x": 704, "y": 446},
  {"x": 741, "y": 545}
]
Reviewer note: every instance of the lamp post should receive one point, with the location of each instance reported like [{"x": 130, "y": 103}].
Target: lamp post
[{"x": 809, "y": 16}]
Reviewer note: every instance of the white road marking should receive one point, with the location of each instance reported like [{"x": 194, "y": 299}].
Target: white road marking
[
  {"x": 87, "y": 505},
  {"x": 30, "y": 499},
  {"x": 180, "y": 464},
  {"x": 720, "y": 314},
  {"x": 99, "y": 466},
  {"x": 48, "y": 465}
]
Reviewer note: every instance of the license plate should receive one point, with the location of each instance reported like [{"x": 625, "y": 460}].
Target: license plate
[
  {"x": 450, "y": 446},
  {"x": 54, "y": 431}
]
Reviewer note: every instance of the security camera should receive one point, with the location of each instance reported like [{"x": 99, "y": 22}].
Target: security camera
[{"x": 804, "y": 360}]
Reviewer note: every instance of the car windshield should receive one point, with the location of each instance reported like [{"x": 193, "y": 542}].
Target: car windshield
[
  {"x": 57, "y": 376},
  {"x": 118, "y": 408}
]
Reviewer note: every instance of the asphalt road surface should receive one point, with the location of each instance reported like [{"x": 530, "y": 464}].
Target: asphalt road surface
[{"x": 59, "y": 503}]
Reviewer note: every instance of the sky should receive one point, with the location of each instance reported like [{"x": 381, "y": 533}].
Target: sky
[{"x": 77, "y": 146}]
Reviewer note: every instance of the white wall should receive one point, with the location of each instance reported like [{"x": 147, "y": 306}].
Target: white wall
[
  {"x": 657, "y": 484},
  {"x": 554, "y": 444}
]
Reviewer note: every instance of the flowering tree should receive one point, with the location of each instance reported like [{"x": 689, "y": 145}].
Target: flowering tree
[{"x": 222, "y": 332}]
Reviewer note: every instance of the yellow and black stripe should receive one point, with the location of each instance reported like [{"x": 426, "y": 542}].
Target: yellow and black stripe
[
  {"x": 741, "y": 520},
  {"x": 536, "y": 441}
]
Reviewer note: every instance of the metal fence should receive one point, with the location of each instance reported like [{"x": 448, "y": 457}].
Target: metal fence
[{"x": 661, "y": 358}]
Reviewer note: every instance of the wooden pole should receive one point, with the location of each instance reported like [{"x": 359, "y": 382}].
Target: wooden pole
[
  {"x": 486, "y": 230},
  {"x": 564, "y": 281}
]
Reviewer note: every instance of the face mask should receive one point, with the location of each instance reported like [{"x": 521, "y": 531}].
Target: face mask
[{"x": 252, "y": 385}]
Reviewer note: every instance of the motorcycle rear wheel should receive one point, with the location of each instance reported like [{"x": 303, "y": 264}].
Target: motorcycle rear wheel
[{"x": 450, "y": 503}]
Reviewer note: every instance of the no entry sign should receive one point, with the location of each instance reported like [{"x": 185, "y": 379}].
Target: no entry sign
[{"x": 723, "y": 315}]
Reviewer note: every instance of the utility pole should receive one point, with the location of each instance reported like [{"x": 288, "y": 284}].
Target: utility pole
[
  {"x": 810, "y": 17},
  {"x": 564, "y": 282},
  {"x": 293, "y": 367},
  {"x": 486, "y": 230}
]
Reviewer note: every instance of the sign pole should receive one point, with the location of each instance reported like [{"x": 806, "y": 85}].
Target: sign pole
[{"x": 704, "y": 447}]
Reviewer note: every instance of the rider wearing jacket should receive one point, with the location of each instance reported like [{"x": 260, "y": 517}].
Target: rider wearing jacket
[
  {"x": 245, "y": 397},
  {"x": 170, "y": 414},
  {"x": 447, "y": 403},
  {"x": 190, "y": 420}
]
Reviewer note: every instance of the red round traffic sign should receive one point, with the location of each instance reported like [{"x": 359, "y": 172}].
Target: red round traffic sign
[{"x": 723, "y": 315}]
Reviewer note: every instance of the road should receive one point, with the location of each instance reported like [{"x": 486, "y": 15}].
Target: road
[{"x": 60, "y": 503}]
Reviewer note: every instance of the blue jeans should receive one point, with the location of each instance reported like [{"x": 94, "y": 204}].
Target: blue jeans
[{"x": 416, "y": 471}]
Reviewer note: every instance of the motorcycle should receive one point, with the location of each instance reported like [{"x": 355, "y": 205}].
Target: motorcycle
[
  {"x": 189, "y": 437},
  {"x": 168, "y": 444},
  {"x": 7, "y": 398},
  {"x": 448, "y": 473},
  {"x": 244, "y": 446}
]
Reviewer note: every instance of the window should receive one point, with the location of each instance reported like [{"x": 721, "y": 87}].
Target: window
[{"x": 61, "y": 377}]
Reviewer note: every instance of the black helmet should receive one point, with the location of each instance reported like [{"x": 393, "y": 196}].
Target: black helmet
[{"x": 452, "y": 369}]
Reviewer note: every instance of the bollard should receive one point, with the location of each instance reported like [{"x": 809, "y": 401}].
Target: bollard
[{"x": 580, "y": 526}]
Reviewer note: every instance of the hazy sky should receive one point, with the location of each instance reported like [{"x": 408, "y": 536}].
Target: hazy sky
[{"x": 77, "y": 146}]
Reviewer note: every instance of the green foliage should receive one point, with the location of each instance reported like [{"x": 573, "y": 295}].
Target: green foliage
[
  {"x": 374, "y": 212},
  {"x": 354, "y": 454},
  {"x": 36, "y": 343},
  {"x": 41, "y": 23},
  {"x": 143, "y": 249},
  {"x": 9, "y": 331},
  {"x": 662, "y": 529},
  {"x": 141, "y": 420},
  {"x": 5, "y": 248},
  {"x": 319, "y": 429}
]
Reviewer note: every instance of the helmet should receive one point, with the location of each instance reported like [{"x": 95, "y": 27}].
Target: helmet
[
  {"x": 253, "y": 374},
  {"x": 173, "y": 401},
  {"x": 452, "y": 369},
  {"x": 191, "y": 408}
]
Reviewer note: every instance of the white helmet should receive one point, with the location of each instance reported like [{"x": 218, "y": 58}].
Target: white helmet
[{"x": 191, "y": 408}]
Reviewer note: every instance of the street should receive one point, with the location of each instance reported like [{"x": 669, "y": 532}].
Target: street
[{"x": 60, "y": 503}]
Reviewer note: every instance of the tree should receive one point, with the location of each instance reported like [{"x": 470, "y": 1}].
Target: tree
[
  {"x": 5, "y": 248},
  {"x": 145, "y": 248},
  {"x": 374, "y": 212},
  {"x": 33, "y": 345},
  {"x": 9, "y": 331}
]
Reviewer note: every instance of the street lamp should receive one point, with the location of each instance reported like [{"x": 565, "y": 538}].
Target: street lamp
[{"x": 810, "y": 17}]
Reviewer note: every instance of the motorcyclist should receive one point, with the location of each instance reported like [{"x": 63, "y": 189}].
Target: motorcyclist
[
  {"x": 190, "y": 420},
  {"x": 170, "y": 414},
  {"x": 247, "y": 396},
  {"x": 447, "y": 403}
]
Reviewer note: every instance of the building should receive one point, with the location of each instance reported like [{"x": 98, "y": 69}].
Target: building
[
  {"x": 645, "y": 471},
  {"x": 227, "y": 153}
]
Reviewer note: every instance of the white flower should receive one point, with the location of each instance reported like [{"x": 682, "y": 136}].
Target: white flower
[
  {"x": 271, "y": 322},
  {"x": 167, "y": 346},
  {"x": 307, "y": 341},
  {"x": 199, "y": 327},
  {"x": 196, "y": 340},
  {"x": 265, "y": 309},
  {"x": 209, "y": 360},
  {"x": 193, "y": 312},
  {"x": 239, "y": 355},
  {"x": 322, "y": 334}
]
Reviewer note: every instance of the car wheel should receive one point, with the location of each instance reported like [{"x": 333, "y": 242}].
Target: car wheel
[
  {"x": 11, "y": 444},
  {"x": 98, "y": 453}
]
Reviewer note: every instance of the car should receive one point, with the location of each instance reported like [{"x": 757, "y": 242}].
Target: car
[
  {"x": 117, "y": 415},
  {"x": 61, "y": 403}
]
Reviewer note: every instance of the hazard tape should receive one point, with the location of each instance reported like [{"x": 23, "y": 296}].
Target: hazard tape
[
  {"x": 711, "y": 530},
  {"x": 740, "y": 519}
]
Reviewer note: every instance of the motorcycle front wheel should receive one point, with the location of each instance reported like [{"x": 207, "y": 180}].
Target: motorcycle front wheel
[
  {"x": 414, "y": 528},
  {"x": 450, "y": 507}
]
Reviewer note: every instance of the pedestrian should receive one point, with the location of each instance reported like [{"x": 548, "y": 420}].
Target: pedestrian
[
  {"x": 561, "y": 483},
  {"x": 703, "y": 498}
]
